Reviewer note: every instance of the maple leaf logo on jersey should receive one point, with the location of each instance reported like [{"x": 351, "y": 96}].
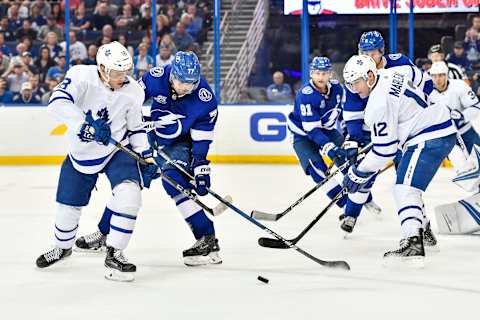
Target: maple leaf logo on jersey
[
  {"x": 103, "y": 114},
  {"x": 168, "y": 125}
]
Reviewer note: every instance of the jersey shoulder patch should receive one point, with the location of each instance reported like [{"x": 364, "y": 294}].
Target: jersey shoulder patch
[
  {"x": 307, "y": 90},
  {"x": 204, "y": 95},
  {"x": 395, "y": 56},
  {"x": 157, "y": 72}
]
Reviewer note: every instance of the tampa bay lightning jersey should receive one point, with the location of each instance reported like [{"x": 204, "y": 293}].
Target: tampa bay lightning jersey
[
  {"x": 315, "y": 112},
  {"x": 354, "y": 107},
  {"x": 174, "y": 118}
]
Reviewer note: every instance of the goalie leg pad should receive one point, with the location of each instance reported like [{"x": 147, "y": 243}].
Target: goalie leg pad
[{"x": 462, "y": 217}]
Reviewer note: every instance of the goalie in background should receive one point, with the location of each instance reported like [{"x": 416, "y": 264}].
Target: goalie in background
[{"x": 462, "y": 217}]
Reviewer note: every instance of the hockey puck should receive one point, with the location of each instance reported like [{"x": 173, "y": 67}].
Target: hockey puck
[{"x": 264, "y": 280}]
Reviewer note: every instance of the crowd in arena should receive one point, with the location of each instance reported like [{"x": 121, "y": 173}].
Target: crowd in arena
[{"x": 33, "y": 46}]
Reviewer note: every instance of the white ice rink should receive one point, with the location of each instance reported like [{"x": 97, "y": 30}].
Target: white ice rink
[{"x": 448, "y": 288}]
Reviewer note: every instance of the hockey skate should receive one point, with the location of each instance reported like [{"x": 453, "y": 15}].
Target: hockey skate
[
  {"x": 429, "y": 239},
  {"x": 203, "y": 252},
  {"x": 348, "y": 223},
  {"x": 411, "y": 251},
  {"x": 118, "y": 268},
  {"x": 373, "y": 208},
  {"x": 94, "y": 243},
  {"x": 53, "y": 256}
]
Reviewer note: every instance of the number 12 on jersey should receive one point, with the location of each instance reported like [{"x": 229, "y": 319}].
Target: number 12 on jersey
[{"x": 379, "y": 129}]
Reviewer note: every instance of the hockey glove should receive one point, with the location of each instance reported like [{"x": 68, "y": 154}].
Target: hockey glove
[
  {"x": 333, "y": 152},
  {"x": 355, "y": 179},
  {"x": 457, "y": 117},
  {"x": 95, "y": 130},
  {"x": 150, "y": 171},
  {"x": 351, "y": 149},
  {"x": 201, "y": 171}
]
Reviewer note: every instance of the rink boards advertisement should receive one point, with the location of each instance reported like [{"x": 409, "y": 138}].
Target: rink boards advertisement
[{"x": 243, "y": 134}]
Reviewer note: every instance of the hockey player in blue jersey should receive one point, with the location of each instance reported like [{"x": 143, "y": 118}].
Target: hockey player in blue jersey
[
  {"x": 400, "y": 118},
  {"x": 99, "y": 103},
  {"x": 312, "y": 122},
  {"x": 372, "y": 44},
  {"x": 183, "y": 115}
]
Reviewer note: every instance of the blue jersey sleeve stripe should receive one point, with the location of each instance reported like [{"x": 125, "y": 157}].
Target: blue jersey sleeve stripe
[
  {"x": 414, "y": 96},
  {"x": 413, "y": 74},
  {"x": 388, "y": 155},
  {"x": 67, "y": 93},
  {"x": 386, "y": 143},
  {"x": 131, "y": 133},
  {"x": 58, "y": 98}
]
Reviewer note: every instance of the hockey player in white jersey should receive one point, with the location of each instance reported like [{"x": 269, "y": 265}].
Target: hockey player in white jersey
[
  {"x": 100, "y": 103},
  {"x": 399, "y": 118},
  {"x": 460, "y": 217}
]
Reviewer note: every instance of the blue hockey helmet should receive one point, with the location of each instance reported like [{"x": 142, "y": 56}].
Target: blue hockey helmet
[
  {"x": 186, "y": 68},
  {"x": 321, "y": 64},
  {"x": 371, "y": 40}
]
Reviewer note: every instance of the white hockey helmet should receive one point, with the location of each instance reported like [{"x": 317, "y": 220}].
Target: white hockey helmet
[
  {"x": 358, "y": 66},
  {"x": 439, "y": 67},
  {"x": 113, "y": 56}
]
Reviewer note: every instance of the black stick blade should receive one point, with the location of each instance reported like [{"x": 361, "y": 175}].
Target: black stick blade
[
  {"x": 272, "y": 243},
  {"x": 341, "y": 265}
]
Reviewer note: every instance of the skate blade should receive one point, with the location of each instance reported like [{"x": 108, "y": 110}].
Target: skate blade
[
  {"x": 116, "y": 275},
  {"x": 103, "y": 249},
  {"x": 211, "y": 258},
  {"x": 409, "y": 262}
]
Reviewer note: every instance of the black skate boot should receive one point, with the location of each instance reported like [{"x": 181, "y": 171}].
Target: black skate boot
[
  {"x": 411, "y": 249},
  {"x": 52, "y": 256},
  {"x": 94, "y": 242},
  {"x": 429, "y": 239},
  {"x": 204, "y": 251},
  {"x": 348, "y": 223},
  {"x": 118, "y": 268}
]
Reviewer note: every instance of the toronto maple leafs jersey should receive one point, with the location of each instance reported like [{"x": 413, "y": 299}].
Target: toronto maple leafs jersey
[
  {"x": 314, "y": 112},
  {"x": 81, "y": 91},
  {"x": 459, "y": 96},
  {"x": 353, "y": 111},
  {"x": 398, "y": 116},
  {"x": 192, "y": 117}
]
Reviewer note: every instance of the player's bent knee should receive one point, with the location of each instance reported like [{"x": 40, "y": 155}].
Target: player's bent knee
[
  {"x": 407, "y": 195},
  {"x": 178, "y": 178},
  {"x": 127, "y": 198}
]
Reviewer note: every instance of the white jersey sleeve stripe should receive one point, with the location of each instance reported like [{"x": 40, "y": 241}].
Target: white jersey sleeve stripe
[
  {"x": 199, "y": 135},
  {"x": 353, "y": 115},
  {"x": 309, "y": 126}
]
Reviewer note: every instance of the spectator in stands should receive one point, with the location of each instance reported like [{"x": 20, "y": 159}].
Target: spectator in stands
[
  {"x": 6, "y": 30},
  {"x": 4, "y": 8},
  {"x": 51, "y": 41},
  {"x": 122, "y": 38},
  {"x": 472, "y": 42},
  {"x": 78, "y": 51},
  {"x": 6, "y": 96},
  {"x": 436, "y": 53},
  {"x": 20, "y": 49},
  {"x": 101, "y": 17},
  {"x": 28, "y": 62},
  {"x": 107, "y": 35},
  {"x": 126, "y": 21},
  {"x": 44, "y": 7},
  {"x": 16, "y": 75},
  {"x": 81, "y": 21},
  {"x": 168, "y": 40},
  {"x": 3, "y": 48},
  {"x": 57, "y": 13},
  {"x": 196, "y": 23},
  {"x": 23, "y": 9},
  {"x": 4, "y": 62},
  {"x": 112, "y": 8},
  {"x": 146, "y": 9},
  {"x": 165, "y": 56},
  {"x": 459, "y": 58},
  {"x": 172, "y": 15},
  {"x": 36, "y": 17},
  {"x": 183, "y": 41},
  {"x": 279, "y": 91},
  {"x": 44, "y": 62},
  {"x": 51, "y": 85},
  {"x": 207, "y": 16},
  {"x": 142, "y": 61},
  {"x": 163, "y": 25},
  {"x": 25, "y": 96},
  {"x": 38, "y": 89},
  {"x": 26, "y": 31},
  {"x": 51, "y": 26},
  {"x": 57, "y": 71},
  {"x": 14, "y": 19},
  {"x": 92, "y": 55}
]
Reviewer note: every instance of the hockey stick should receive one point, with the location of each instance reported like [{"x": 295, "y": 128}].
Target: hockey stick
[
  {"x": 227, "y": 202},
  {"x": 218, "y": 209},
  {"x": 329, "y": 264},
  {"x": 189, "y": 175},
  {"x": 274, "y": 243},
  {"x": 277, "y": 216}
]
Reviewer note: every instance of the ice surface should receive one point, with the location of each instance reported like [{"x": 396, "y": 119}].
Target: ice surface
[{"x": 448, "y": 288}]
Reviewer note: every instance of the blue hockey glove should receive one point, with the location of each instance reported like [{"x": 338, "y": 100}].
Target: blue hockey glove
[
  {"x": 355, "y": 179},
  {"x": 95, "y": 130},
  {"x": 150, "y": 171},
  {"x": 334, "y": 152},
  {"x": 457, "y": 117},
  {"x": 351, "y": 149},
  {"x": 201, "y": 171}
]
